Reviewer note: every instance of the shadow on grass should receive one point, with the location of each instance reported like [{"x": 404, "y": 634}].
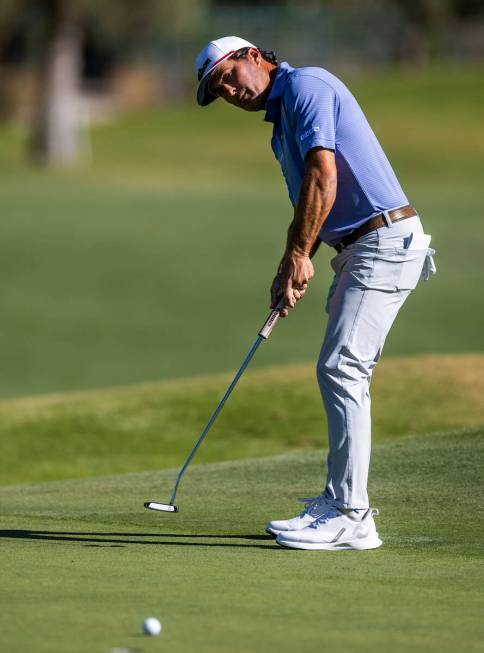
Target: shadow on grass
[{"x": 122, "y": 539}]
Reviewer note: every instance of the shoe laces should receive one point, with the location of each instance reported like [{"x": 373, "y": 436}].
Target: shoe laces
[
  {"x": 330, "y": 513},
  {"x": 314, "y": 506}
]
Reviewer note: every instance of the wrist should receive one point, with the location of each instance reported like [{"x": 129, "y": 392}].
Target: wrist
[{"x": 296, "y": 251}]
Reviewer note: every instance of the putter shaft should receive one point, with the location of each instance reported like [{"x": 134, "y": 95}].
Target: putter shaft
[
  {"x": 263, "y": 334},
  {"x": 215, "y": 413}
]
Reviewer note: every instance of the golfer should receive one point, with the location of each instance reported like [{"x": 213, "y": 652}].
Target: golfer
[{"x": 344, "y": 193}]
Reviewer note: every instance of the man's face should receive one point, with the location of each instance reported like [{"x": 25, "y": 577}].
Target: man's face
[{"x": 242, "y": 82}]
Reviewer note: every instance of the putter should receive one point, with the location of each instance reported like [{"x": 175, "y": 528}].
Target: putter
[{"x": 263, "y": 334}]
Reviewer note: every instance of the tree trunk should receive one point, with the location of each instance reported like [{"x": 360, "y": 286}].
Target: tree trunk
[{"x": 57, "y": 137}]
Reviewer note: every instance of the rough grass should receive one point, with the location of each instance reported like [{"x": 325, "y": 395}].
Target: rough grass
[
  {"x": 84, "y": 564},
  {"x": 271, "y": 411}
]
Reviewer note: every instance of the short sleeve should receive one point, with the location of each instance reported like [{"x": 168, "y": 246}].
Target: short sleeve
[{"x": 313, "y": 104}]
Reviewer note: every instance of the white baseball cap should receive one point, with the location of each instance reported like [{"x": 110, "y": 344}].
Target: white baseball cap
[{"x": 210, "y": 57}]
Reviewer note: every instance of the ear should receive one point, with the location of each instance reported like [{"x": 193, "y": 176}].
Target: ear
[{"x": 255, "y": 55}]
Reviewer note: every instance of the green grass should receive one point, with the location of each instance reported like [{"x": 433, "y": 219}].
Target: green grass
[
  {"x": 84, "y": 564},
  {"x": 155, "y": 261},
  {"x": 272, "y": 411}
]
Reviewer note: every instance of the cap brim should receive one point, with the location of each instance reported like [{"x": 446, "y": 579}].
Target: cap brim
[{"x": 204, "y": 96}]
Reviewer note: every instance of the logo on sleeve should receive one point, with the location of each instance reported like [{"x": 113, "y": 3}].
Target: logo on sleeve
[{"x": 307, "y": 133}]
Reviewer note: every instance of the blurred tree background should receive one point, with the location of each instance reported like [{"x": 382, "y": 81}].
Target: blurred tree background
[
  {"x": 61, "y": 49},
  {"x": 63, "y": 63}
]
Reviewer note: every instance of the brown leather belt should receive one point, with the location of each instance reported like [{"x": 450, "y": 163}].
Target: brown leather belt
[{"x": 375, "y": 223}]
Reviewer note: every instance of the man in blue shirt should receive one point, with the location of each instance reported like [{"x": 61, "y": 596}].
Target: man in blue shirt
[{"x": 344, "y": 193}]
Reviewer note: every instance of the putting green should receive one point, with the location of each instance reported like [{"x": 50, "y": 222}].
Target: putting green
[{"x": 84, "y": 564}]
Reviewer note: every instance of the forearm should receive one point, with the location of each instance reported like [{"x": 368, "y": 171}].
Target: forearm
[
  {"x": 288, "y": 239},
  {"x": 316, "y": 198},
  {"x": 314, "y": 247}
]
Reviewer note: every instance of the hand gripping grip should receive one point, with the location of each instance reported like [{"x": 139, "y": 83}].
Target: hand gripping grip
[{"x": 270, "y": 323}]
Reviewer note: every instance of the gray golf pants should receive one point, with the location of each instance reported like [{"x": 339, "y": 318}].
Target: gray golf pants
[{"x": 373, "y": 278}]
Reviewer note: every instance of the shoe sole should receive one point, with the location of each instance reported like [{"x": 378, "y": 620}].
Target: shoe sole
[
  {"x": 362, "y": 544},
  {"x": 274, "y": 532}
]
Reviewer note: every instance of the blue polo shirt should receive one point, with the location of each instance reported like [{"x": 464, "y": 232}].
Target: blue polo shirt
[{"x": 310, "y": 107}]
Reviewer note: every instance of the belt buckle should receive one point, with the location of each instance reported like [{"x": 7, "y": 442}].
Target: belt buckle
[{"x": 386, "y": 217}]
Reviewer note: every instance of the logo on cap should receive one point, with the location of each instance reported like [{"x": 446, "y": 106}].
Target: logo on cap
[{"x": 203, "y": 68}]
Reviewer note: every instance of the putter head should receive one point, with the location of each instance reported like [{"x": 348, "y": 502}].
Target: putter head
[{"x": 163, "y": 507}]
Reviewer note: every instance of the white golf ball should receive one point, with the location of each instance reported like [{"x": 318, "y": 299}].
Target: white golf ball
[{"x": 151, "y": 626}]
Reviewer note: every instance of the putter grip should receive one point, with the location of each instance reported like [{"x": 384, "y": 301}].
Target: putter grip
[{"x": 271, "y": 321}]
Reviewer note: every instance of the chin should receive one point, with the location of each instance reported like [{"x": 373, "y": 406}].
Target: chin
[{"x": 251, "y": 105}]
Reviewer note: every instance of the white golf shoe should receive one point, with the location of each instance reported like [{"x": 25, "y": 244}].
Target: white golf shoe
[
  {"x": 314, "y": 507},
  {"x": 334, "y": 531}
]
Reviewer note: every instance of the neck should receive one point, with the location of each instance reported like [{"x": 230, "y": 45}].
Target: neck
[{"x": 272, "y": 72}]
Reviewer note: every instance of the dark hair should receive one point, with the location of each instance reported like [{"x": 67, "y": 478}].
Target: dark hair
[{"x": 268, "y": 55}]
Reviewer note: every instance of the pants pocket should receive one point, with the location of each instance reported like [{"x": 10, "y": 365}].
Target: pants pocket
[
  {"x": 388, "y": 270},
  {"x": 375, "y": 270},
  {"x": 384, "y": 263},
  {"x": 411, "y": 266}
]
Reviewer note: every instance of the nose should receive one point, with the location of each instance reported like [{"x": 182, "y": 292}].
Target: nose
[{"x": 227, "y": 91}]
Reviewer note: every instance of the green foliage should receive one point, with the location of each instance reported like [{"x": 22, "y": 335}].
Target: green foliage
[{"x": 121, "y": 24}]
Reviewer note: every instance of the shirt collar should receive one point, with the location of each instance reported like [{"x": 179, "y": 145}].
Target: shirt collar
[{"x": 273, "y": 102}]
